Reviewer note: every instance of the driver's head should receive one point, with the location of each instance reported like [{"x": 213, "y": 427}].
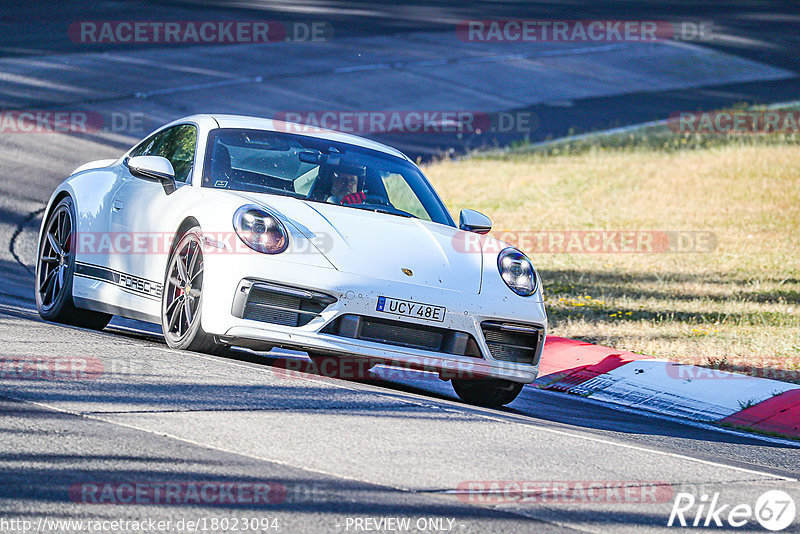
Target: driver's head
[{"x": 343, "y": 184}]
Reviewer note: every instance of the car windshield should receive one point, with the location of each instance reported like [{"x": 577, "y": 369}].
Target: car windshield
[{"x": 319, "y": 170}]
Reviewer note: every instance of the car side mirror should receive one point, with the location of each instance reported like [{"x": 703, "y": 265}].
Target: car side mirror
[
  {"x": 154, "y": 168},
  {"x": 474, "y": 221}
]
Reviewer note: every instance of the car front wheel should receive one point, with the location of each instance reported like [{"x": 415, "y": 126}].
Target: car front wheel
[
  {"x": 491, "y": 393},
  {"x": 181, "y": 302}
]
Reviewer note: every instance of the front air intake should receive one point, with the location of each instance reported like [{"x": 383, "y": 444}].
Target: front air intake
[
  {"x": 515, "y": 343},
  {"x": 274, "y": 304}
]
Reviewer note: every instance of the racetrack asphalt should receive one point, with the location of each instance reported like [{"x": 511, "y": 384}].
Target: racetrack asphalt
[{"x": 391, "y": 447}]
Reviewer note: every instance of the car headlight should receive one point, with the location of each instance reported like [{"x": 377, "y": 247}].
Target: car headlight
[
  {"x": 260, "y": 230},
  {"x": 517, "y": 272}
]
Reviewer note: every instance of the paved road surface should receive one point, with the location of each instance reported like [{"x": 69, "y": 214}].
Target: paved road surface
[{"x": 341, "y": 451}]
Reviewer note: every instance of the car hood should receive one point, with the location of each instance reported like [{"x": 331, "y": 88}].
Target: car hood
[{"x": 381, "y": 246}]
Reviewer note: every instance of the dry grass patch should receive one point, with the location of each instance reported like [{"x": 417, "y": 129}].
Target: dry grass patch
[{"x": 736, "y": 306}]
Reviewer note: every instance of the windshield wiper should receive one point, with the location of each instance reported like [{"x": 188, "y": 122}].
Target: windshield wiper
[
  {"x": 383, "y": 209},
  {"x": 368, "y": 207}
]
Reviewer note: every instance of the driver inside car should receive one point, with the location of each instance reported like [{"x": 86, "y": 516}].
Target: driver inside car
[{"x": 344, "y": 189}]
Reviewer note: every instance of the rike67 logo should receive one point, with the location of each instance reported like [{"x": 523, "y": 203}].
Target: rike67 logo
[{"x": 774, "y": 510}]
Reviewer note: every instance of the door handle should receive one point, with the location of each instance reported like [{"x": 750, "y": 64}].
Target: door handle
[{"x": 118, "y": 205}]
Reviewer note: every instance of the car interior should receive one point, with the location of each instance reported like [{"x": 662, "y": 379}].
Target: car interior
[{"x": 289, "y": 174}]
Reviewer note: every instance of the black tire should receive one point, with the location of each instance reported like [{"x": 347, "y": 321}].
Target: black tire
[
  {"x": 182, "y": 299},
  {"x": 491, "y": 393},
  {"x": 55, "y": 270}
]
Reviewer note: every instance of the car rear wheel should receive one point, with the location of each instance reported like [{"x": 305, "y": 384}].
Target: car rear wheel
[
  {"x": 55, "y": 269},
  {"x": 491, "y": 393},
  {"x": 181, "y": 302}
]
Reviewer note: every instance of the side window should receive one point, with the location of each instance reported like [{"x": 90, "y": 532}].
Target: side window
[
  {"x": 146, "y": 146},
  {"x": 176, "y": 144},
  {"x": 178, "y": 147}
]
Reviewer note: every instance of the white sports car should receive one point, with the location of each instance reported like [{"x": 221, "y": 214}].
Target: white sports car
[{"x": 240, "y": 231}]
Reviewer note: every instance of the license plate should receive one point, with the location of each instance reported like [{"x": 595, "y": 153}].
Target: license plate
[{"x": 406, "y": 308}]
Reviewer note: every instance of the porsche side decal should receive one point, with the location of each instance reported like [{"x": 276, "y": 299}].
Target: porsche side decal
[{"x": 127, "y": 282}]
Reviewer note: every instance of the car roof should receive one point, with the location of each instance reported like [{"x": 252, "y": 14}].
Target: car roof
[{"x": 258, "y": 123}]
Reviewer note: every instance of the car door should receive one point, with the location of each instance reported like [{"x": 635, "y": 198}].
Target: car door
[{"x": 142, "y": 217}]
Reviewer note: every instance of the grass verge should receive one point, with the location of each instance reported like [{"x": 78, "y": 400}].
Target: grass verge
[{"x": 732, "y": 303}]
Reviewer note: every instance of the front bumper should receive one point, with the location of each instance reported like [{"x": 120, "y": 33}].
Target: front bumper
[{"x": 355, "y": 295}]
